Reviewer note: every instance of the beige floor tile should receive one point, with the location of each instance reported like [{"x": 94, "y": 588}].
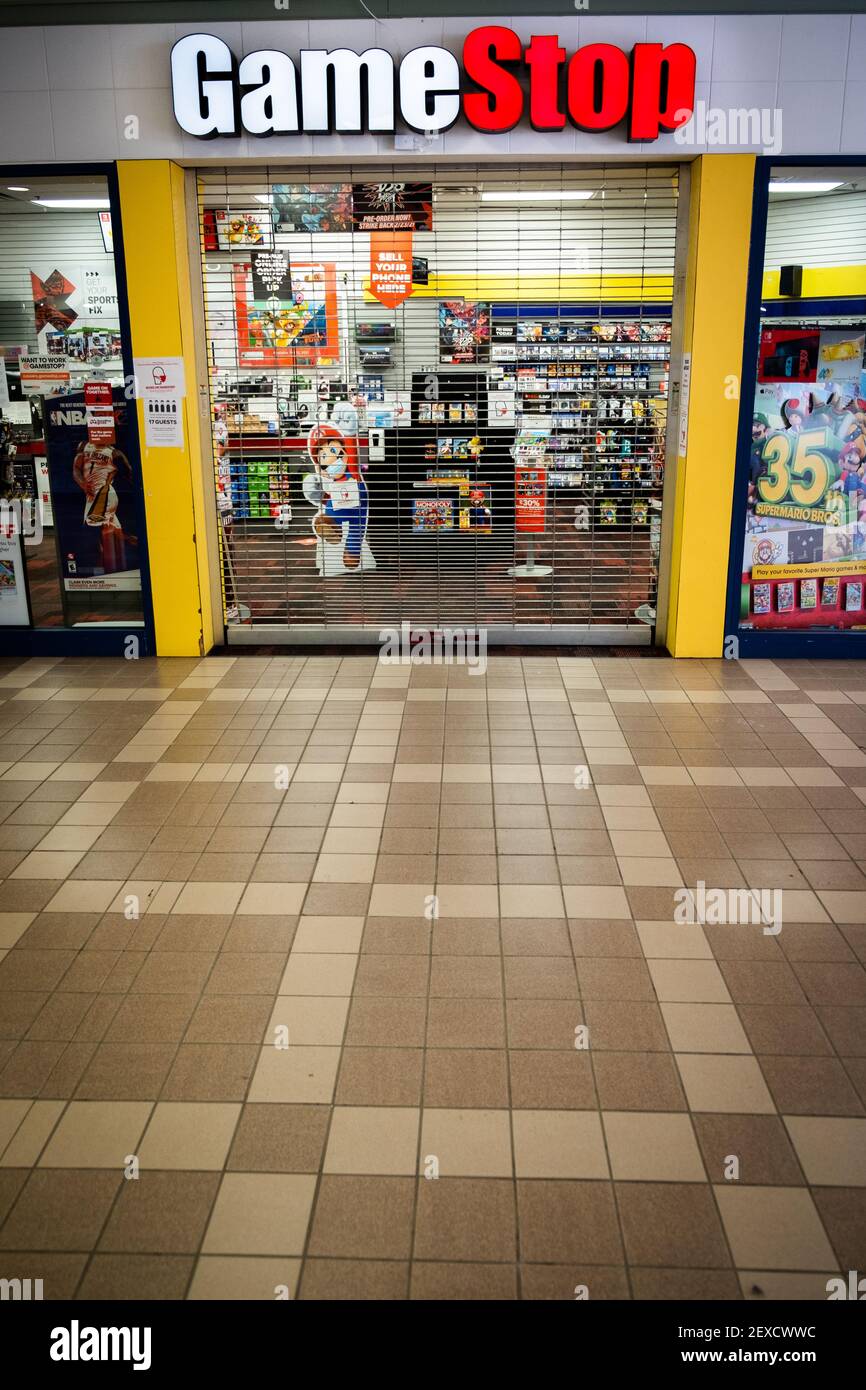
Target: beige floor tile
[
  {"x": 47, "y": 864},
  {"x": 308, "y": 1019},
  {"x": 351, "y": 816},
  {"x": 319, "y": 973},
  {"x": 210, "y": 897},
  {"x": 587, "y": 901},
  {"x": 558, "y": 1144},
  {"x": 188, "y": 1135},
  {"x": 85, "y": 895},
  {"x": 345, "y": 868},
  {"x": 13, "y": 925},
  {"x": 272, "y": 899},
  {"x": 531, "y": 900},
  {"x": 673, "y": 940},
  {"x": 646, "y": 843},
  {"x": 688, "y": 981},
  {"x": 260, "y": 1214},
  {"x": 467, "y": 900},
  {"x": 466, "y": 1143},
  {"x": 726, "y": 1085},
  {"x": 326, "y": 935},
  {"x": 295, "y": 1074},
  {"x": 399, "y": 899},
  {"x": 237, "y": 1277},
  {"x": 362, "y": 840},
  {"x": 705, "y": 1028},
  {"x": 832, "y": 1150},
  {"x": 650, "y": 872},
  {"x": 372, "y": 1139},
  {"x": 12, "y": 1113},
  {"x": 777, "y": 1286},
  {"x": 774, "y": 1228},
  {"x": 652, "y": 1147},
  {"x": 96, "y": 1134},
  {"x": 24, "y": 1148}
]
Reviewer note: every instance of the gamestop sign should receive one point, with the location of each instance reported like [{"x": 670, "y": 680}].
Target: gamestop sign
[{"x": 495, "y": 84}]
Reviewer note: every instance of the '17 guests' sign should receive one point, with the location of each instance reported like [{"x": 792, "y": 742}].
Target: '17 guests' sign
[{"x": 496, "y": 83}]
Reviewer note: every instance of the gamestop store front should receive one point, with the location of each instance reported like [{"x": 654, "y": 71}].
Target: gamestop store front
[{"x": 439, "y": 390}]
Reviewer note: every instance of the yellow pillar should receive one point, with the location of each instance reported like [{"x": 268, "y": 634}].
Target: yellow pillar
[
  {"x": 720, "y": 219},
  {"x": 153, "y": 214}
]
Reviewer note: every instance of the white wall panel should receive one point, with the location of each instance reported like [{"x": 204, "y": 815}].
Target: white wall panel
[{"x": 781, "y": 55}]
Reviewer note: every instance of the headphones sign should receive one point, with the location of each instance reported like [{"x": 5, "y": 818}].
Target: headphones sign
[
  {"x": 496, "y": 83},
  {"x": 161, "y": 388}
]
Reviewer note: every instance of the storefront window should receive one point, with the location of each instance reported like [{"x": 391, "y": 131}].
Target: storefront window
[
  {"x": 69, "y": 539},
  {"x": 804, "y": 560},
  {"x": 439, "y": 398}
]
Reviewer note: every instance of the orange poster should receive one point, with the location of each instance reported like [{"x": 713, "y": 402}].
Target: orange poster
[{"x": 391, "y": 267}]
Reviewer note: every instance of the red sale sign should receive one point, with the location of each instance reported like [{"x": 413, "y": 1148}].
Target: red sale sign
[{"x": 530, "y": 498}]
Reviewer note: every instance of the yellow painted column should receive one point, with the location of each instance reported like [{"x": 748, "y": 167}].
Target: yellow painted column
[
  {"x": 153, "y": 214},
  {"x": 720, "y": 220}
]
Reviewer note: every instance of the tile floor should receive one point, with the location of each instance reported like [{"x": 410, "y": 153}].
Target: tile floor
[{"x": 329, "y": 979}]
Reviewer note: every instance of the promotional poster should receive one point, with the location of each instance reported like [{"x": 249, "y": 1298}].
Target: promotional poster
[
  {"x": 75, "y": 313},
  {"x": 804, "y": 562},
  {"x": 392, "y": 207},
  {"x": 312, "y": 207},
  {"x": 464, "y": 331},
  {"x": 93, "y": 498},
  {"x": 302, "y": 329}
]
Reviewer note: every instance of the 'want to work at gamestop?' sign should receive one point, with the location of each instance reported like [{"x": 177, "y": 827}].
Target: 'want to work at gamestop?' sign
[{"x": 596, "y": 88}]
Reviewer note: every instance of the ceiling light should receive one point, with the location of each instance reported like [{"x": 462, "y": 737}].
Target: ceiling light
[
  {"x": 16, "y": 188},
  {"x": 549, "y": 195},
  {"x": 782, "y": 186},
  {"x": 79, "y": 203}
]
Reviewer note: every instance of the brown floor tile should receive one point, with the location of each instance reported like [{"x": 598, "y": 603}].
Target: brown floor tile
[
  {"x": 439, "y": 1280},
  {"x": 672, "y": 1225},
  {"x": 472, "y": 1023},
  {"x": 810, "y": 1086},
  {"x": 216, "y": 1071},
  {"x": 843, "y": 1212},
  {"x": 638, "y": 1081},
  {"x": 759, "y": 1142},
  {"x": 136, "y": 1277},
  {"x": 379, "y": 1076},
  {"x": 568, "y": 1221},
  {"x": 386, "y": 1022},
  {"x": 543, "y": 1023},
  {"x": 126, "y": 1071},
  {"x": 551, "y": 1080},
  {"x": 363, "y": 1217},
  {"x": 224, "y": 1018},
  {"x": 789, "y": 1029},
  {"x": 696, "y": 1285},
  {"x": 552, "y": 1281},
  {"x": 59, "y": 1273},
  {"x": 279, "y": 1139},
  {"x": 540, "y": 977},
  {"x": 466, "y": 1078},
  {"x": 161, "y": 1212},
  {"x": 354, "y": 1279},
  {"x": 465, "y": 1219},
  {"x": 465, "y": 977},
  {"x": 60, "y": 1209}
]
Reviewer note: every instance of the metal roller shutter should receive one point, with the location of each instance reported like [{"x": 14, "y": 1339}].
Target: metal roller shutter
[{"x": 537, "y": 332}]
